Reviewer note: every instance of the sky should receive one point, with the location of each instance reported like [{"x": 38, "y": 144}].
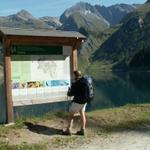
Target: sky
[{"x": 54, "y": 8}]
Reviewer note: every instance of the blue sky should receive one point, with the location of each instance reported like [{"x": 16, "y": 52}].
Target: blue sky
[{"x": 40, "y": 8}]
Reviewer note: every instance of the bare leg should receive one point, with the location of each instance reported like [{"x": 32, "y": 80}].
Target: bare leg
[
  {"x": 83, "y": 119},
  {"x": 70, "y": 121}
]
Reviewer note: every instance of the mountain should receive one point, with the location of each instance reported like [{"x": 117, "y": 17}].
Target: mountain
[
  {"x": 114, "y": 14},
  {"x": 83, "y": 16},
  {"x": 84, "y": 23},
  {"x": 24, "y": 15},
  {"x": 148, "y": 1},
  {"x": 24, "y": 19},
  {"x": 106, "y": 15},
  {"x": 128, "y": 47},
  {"x": 92, "y": 21},
  {"x": 81, "y": 7},
  {"x": 53, "y": 22}
]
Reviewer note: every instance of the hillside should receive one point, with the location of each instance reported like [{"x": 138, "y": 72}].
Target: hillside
[
  {"x": 23, "y": 19},
  {"x": 88, "y": 48},
  {"x": 83, "y": 16},
  {"x": 94, "y": 22},
  {"x": 87, "y": 22},
  {"x": 128, "y": 47},
  {"x": 114, "y": 14}
]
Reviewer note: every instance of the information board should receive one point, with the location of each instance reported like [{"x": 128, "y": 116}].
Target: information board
[{"x": 39, "y": 78}]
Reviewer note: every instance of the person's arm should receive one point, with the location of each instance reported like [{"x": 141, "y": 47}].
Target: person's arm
[{"x": 71, "y": 91}]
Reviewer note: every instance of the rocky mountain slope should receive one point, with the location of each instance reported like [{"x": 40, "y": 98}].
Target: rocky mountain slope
[
  {"x": 114, "y": 14},
  {"x": 53, "y": 22},
  {"x": 94, "y": 22},
  {"x": 82, "y": 15},
  {"x": 111, "y": 15},
  {"x": 24, "y": 19},
  {"x": 128, "y": 47}
]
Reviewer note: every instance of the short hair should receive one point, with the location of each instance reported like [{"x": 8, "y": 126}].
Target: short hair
[{"x": 77, "y": 73}]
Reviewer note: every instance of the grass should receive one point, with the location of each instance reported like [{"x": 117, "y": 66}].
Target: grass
[
  {"x": 100, "y": 122},
  {"x": 6, "y": 146},
  {"x": 129, "y": 117}
]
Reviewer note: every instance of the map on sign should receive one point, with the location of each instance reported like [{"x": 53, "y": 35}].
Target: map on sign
[
  {"x": 39, "y": 68},
  {"x": 39, "y": 77},
  {"x": 47, "y": 67}
]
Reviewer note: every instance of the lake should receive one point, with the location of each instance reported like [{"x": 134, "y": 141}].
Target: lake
[{"x": 113, "y": 89}]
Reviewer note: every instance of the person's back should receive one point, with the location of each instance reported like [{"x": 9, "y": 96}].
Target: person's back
[{"x": 78, "y": 90}]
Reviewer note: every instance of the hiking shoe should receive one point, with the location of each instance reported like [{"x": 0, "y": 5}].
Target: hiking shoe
[
  {"x": 81, "y": 132},
  {"x": 66, "y": 132}
]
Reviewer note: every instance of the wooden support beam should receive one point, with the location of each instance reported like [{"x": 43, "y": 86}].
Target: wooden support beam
[
  {"x": 76, "y": 45},
  {"x": 8, "y": 84},
  {"x": 74, "y": 59}
]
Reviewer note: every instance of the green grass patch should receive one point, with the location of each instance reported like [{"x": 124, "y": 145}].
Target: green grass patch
[
  {"x": 6, "y": 146},
  {"x": 129, "y": 117}
]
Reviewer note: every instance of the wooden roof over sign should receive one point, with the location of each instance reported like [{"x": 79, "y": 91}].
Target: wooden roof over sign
[
  {"x": 41, "y": 40},
  {"x": 40, "y": 33}
]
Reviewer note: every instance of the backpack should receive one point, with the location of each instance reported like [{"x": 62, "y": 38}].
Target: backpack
[
  {"x": 89, "y": 88},
  {"x": 82, "y": 90}
]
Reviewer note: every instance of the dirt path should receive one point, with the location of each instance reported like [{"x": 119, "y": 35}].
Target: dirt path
[
  {"x": 138, "y": 139},
  {"x": 129, "y": 140},
  {"x": 120, "y": 141}
]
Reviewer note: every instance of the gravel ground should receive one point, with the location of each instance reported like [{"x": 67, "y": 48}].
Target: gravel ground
[
  {"x": 120, "y": 141},
  {"x": 138, "y": 139}
]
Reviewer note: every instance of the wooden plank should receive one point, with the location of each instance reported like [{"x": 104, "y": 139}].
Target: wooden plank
[
  {"x": 9, "y": 102},
  {"x": 42, "y": 40}
]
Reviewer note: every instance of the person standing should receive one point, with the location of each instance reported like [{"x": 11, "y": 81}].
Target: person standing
[{"x": 78, "y": 90}]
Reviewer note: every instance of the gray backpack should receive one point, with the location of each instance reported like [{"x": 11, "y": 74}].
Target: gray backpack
[{"x": 89, "y": 88}]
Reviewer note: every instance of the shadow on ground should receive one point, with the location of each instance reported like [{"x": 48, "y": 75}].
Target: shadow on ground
[{"x": 40, "y": 129}]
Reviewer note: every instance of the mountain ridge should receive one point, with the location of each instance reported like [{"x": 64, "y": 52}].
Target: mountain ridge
[
  {"x": 128, "y": 47},
  {"x": 24, "y": 19},
  {"x": 113, "y": 14}
]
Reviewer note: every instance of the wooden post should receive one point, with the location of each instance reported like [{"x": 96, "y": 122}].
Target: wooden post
[
  {"x": 75, "y": 54},
  {"x": 8, "y": 84},
  {"x": 74, "y": 59}
]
